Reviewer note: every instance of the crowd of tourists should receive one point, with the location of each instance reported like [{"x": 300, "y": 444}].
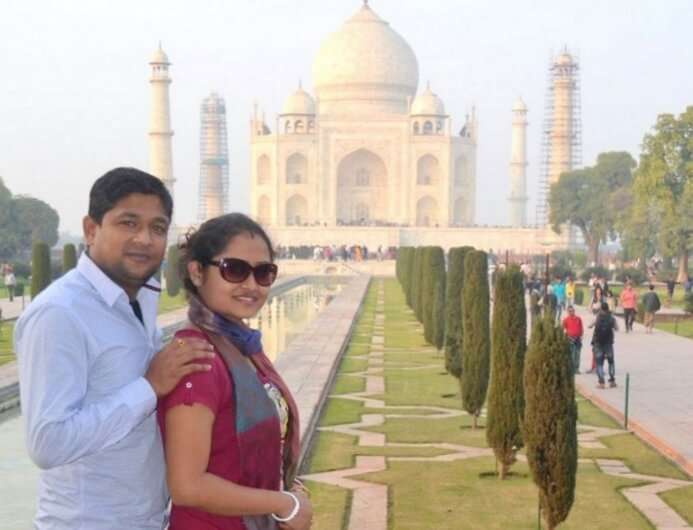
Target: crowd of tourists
[{"x": 336, "y": 252}]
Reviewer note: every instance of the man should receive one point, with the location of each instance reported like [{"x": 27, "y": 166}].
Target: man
[
  {"x": 10, "y": 281},
  {"x": 89, "y": 370},
  {"x": 570, "y": 291},
  {"x": 651, "y": 304},
  {"x": 629, "y": 302},
  {"x": 603, "y": 344},
  {"x": 572, "y": 326},
  {"x": 559, "y": 292}
]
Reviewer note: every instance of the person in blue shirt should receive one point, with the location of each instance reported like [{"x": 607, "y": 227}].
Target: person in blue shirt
[
  {"x": 558, "y": 289},
  {"x": 91, "y": 367}
]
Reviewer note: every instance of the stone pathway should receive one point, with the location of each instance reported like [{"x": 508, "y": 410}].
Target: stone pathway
[{"x": 369, "y": 504}]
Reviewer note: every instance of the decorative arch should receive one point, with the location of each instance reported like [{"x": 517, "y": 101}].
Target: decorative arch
[
  {"x": 296, "y": 210},
  {"x": 263, "y": 170},
  {"x": 459, "y": 211},
  {"x": 264, "y": 210},
  {"x": 288, "y": 127},
  {"x": 426, "y": 211},
  {"x": 439, "y": 127},
  {"x": 428, "y": 171},
  {"x": 311, "y": 126},
  {"x": 296, "y": 169},
  {"x": 298, "y": 127},
  {"x": 428, "y": 127},
  {"x": 461, "y": 170},
  {"x": 361, "y": 189},
  {"x": 416, "y": 128}
]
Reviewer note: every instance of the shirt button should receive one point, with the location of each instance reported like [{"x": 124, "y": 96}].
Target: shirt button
[{"x": 188, "y": 385}]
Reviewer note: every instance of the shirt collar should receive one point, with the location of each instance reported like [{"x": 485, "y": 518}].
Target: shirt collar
[{"x": 107, "y": 288}]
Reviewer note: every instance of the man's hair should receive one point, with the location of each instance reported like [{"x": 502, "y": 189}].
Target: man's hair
[
  {"x": 605, "y": 306},
  {"x": 651, "y": 287},
  {"x": 120, "y": 182},
  {"x": 571, "y": 308}
]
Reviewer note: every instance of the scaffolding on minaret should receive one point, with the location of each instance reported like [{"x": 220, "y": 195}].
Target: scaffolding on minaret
[
  {"x": 561, "y": 137},
  {"x": 214, "y": 159}
]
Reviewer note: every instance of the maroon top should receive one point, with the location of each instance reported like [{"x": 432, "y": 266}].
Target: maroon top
[{"x": 213, "y": 389}]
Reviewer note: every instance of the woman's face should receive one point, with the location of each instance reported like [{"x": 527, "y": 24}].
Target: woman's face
[{"x": 234, "y": 301}]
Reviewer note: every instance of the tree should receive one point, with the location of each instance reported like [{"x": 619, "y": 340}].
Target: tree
[
  {"x": 40, "y": 268},
  {"x": 584, "y": 198},
  {"x": 69, "y": 257},
  {"x": 475, "y": 333},
  {"x": 173, "y": 283},
  {"x": 663, "y": 187},
  {"x": 439, "y": 315},
  {"x": 453, "y": 310},
  {"x": 506, "y": 394},
  {"x": 417, "y": 296},
  {"x": 433, "y": 274},
  {"x": 549, "y": 427}
]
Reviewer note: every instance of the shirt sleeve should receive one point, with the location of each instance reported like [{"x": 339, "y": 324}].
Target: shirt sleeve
[
  {"x": 53, "y": 373},
  {"x": 208, "y": 388}
]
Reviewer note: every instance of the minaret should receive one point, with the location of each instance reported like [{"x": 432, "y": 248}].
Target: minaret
[
  {"x": 518, "y": 165},
  {"x": 160, "y": 133},
  {"x": 214, "y": 159}
]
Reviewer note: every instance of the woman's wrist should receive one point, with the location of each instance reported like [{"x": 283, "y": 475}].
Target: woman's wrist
[{"x": 293, "y": 507}]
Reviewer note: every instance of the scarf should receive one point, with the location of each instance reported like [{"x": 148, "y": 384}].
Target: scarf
[{"x": 256, "y": 417}]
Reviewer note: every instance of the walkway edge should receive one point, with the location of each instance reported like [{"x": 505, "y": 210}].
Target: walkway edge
[{"x": 638, "y": 429}]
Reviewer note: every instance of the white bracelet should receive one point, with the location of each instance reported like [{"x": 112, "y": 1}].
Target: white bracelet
[{"x": 297, "y": 506}]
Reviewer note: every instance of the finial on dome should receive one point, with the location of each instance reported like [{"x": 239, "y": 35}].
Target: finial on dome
[
  {"x": 300, "y": 83},
  {"x": 160, "y": 46}
]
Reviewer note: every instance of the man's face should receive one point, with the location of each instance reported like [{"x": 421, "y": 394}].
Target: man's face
[
  {"x": 130, "y": 242},
  {"x": 571, "y": 312}
]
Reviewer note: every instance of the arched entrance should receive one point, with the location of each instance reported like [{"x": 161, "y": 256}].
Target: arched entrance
[
  {"x": 263, "y": 210},
  {"x": 428, "y": 171},
  {"x": 296, "y": 169},
  {"x": 296, "y": 211},
  {"x": 426, "y": 212},
  {"x": 361, "y": 189},
  {"x": 458, "y": 211}
]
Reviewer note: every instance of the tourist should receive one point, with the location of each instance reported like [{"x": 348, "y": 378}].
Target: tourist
[
  {"x": 671, "y": 285},
  {"x": 651, "y": 305},
  {"x": 559, "y": 292},
  {"x": 10, "y": 281},
  {"x": 572, "y": 326},
  {"x": 570, "y": 291},
  {"x": 89, "y": 370},
  {"x": 597, "y": 299},
  {"x": 603, "y": 344},
  {"x": 629, "y": 302},
  {"x": 231, "y": 434}
]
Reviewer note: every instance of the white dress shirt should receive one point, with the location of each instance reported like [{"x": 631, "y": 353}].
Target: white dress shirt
[{"x": 89, "y": 412}]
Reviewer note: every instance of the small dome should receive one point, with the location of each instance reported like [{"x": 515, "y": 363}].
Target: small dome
[
  {"x": 159, "y": 57},
  {"x": 427, "y": 104},
  {"x": 564, "y": 59},
  {"x": 519, "y": 105},
  {"x": 300, "y": 102}
]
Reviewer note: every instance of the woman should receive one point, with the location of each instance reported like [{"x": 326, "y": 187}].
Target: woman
[{"x": 231, "y": 433}]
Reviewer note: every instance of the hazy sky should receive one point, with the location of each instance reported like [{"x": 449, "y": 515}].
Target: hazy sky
[{"x": 74, "y": 95}]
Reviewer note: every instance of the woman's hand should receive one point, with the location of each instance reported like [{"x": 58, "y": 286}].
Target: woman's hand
[{"x": 304, "y": 517}]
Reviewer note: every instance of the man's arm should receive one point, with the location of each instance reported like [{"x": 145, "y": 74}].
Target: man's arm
[{"x": 53, "y": 370}]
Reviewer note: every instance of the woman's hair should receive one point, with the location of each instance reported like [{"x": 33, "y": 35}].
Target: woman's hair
[{"x": 211, "y": 238}]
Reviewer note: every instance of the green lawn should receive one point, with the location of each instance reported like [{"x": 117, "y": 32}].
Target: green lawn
[
  {"x": 169, "y": 303},
  {"x": 684, "y": 328},
  {"x": 6, "y": 354},
  {"x": 462, "y": 494}
]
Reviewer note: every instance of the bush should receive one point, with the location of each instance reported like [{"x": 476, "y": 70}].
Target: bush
[
  {"x": 69, "y": 257},
  {"x": 637, "y": 276},
  {"x": 579, "y": 296},
  {"x": 453, "y": 310},
  {"x": 19, "y": 290},
  {"x": 434, "y": 273},
  {"x": 417, "y": 295},
  {"x": 688, "y": 303},
  {"x": 600, "y": 271},
  {"x": 549, "y": 427},
  {"x": 439, "y": 315},
  {"x": 561, "y": 271},
  {"x": 173, "y": 282},
  {"x": 475, "y": 334},
  {"x": 506, "y": 394},
  {"x": 21, "y": 270},
  {"x": 40, "y": 268}
]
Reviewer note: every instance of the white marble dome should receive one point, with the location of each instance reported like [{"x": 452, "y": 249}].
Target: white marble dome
[
  {"x": 427, "y": 104},
  {"x": 363, "y": 62},
  {"x": 519, "y": 105},
  {"x": 159, "y": 57},
  {"x": 300, "y": 102}
]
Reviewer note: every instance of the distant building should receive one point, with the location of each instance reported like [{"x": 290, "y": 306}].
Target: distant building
[
  {"x": 214, "y": 159},
  {"x": 160, "y": 133}
]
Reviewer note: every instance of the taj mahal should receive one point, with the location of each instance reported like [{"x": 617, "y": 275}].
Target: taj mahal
[{"x": 371, "y": 157}]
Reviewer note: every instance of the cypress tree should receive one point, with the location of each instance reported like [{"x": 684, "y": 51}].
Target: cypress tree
[
  {"x": 549, "y": 427},
  {"x": 433, "y": 275},
  {"x": 409, "y": 272},
  {"x": 419, "y": 268},
  {"x": 453, "y": 310},
  {"x": 69, "y": 257},
  {"x": 506, "y": 393},
  {"x": 439, "y": 316},
  {"x": 173, "y": 283},
  {"x": 475, "y": 333},
  {"x": 40, "y": 267}
]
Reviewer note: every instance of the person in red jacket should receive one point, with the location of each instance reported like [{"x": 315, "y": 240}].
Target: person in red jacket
[
  {"x": 629, "y": 302},
  {"x": 572, "y": 326}
]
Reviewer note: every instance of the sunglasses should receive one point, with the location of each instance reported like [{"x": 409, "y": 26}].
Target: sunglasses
[{"x": 236, "y": 270}]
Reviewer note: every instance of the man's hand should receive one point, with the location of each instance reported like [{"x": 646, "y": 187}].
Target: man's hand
[{"x": 179, "y": 358}]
